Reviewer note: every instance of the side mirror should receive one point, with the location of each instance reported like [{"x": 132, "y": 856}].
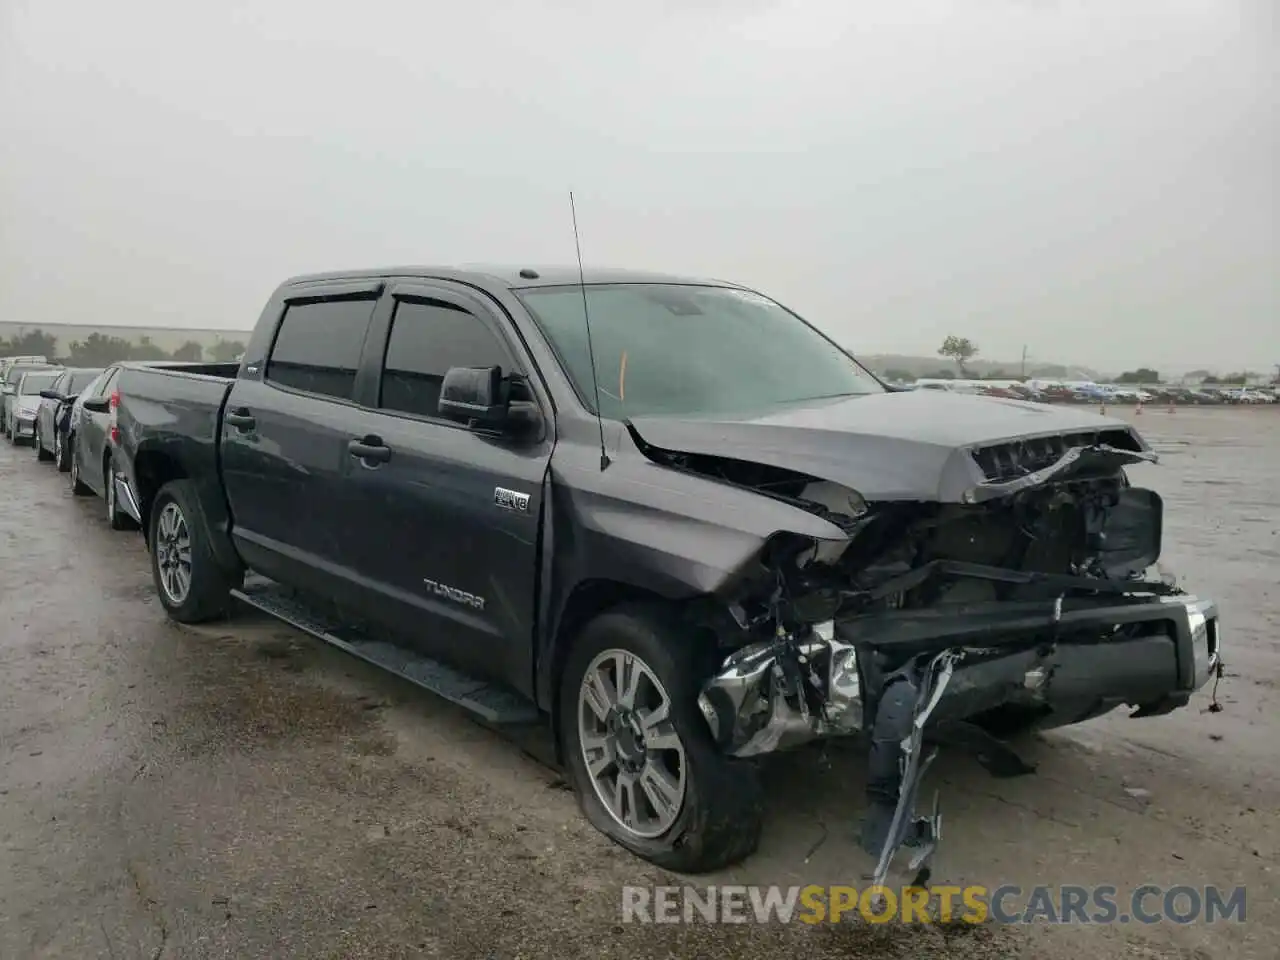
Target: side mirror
[
  {"x": 52, "y": 395},
  {"x": 98, "y": 405},
  {"x": 473, "y": 395}
]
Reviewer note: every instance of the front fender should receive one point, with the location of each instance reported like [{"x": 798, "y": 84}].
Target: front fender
[{"x": 649, "y": 529}]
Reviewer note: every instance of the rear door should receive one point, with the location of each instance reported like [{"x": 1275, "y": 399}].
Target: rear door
[
  {"x": 284, "y": 440},
  {"x": 447, "y": 525}
]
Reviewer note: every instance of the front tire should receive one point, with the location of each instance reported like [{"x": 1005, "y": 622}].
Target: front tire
[
  {"x": 191, "y": 585},
  {"x": 638, "y": 752}
]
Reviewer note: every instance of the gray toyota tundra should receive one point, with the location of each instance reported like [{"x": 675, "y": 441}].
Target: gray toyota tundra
[{"x": 674, "y": 520}]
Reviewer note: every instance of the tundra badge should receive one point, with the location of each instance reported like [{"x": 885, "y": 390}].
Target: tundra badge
[
  {"x": 511, "y": 499},
  {"x": 454, "y": 594}
]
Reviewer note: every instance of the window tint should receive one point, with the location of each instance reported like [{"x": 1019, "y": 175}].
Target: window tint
[
  {"x": 107, "y": 381},
  {"x": 60, "y": 384},
  {"x": 318, "y": 346},
  {"x": 427, "y": 338}
]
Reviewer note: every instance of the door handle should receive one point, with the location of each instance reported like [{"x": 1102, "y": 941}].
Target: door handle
[
  {"x": 370, "y": 449},
  {"x": 240, "y": 418}
]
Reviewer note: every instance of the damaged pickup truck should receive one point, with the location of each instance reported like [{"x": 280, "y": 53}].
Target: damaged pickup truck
[{"x": 672, "y": 517}]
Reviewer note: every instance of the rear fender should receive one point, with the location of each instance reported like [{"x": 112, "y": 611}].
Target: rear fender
[{"x": 153, "y": 465}]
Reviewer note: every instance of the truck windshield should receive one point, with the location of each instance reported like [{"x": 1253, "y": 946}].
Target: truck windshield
[{"x": 687, "y": 349}]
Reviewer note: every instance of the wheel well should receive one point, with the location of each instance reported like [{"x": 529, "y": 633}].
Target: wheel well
[
  {"x": 588, "y": 600},
  {"x": 152, "y": 470}
]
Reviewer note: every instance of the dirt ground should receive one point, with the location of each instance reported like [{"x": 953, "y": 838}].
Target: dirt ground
[{"x": 243, "y": 791}]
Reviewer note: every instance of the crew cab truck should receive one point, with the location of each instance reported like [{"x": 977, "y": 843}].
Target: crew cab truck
[{"x": 672, "y": 517}]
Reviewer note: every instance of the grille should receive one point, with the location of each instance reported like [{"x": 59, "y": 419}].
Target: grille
[{"x": 1017, "y": 458}]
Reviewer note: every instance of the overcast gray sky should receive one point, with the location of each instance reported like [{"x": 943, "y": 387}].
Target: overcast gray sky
[{"x": 1093, "y": 178}]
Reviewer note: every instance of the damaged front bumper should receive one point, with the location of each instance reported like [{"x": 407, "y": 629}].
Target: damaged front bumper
[
  {"x": 776, "y": 694},
  {"x": 898, "y": 677}
]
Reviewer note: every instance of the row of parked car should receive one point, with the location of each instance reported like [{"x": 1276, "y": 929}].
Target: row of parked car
[
  {"x": 1106, "y": 393},
  {"x": 64, "y": 414}
]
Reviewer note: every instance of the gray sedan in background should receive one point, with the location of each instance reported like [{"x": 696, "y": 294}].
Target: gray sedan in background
[
  {"x": 54, "y": 412},
  {"x": 9, "y": 388},
  {"x": 22, "y": 404}
]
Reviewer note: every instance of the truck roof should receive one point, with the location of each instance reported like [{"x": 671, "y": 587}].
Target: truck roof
[{"x": 513, "y": 277}]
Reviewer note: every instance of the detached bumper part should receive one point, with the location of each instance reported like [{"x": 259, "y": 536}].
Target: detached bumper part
[{"x": 776, "y": 694}]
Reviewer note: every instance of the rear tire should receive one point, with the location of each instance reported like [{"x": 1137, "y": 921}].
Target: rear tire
[
  {"x": 715, "y": 819},
  {"x": 191, "y": 586},
  {"x": 78, "y": 486}
]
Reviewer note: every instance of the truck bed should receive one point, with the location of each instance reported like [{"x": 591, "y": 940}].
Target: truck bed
[
  {"x": 175, "y": 409},
  {"x": 182, "y": 404}
]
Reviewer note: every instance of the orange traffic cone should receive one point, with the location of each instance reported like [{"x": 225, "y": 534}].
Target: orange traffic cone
[
  {"x": 1102, "y": 409},
  {"x": 1139, "y": 410}
]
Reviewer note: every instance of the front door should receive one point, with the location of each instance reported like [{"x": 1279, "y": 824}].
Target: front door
[{"x": 448, "y": 521}]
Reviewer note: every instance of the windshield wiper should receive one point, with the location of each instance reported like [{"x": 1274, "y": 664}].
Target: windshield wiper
[{"x": 825, "y": 396}]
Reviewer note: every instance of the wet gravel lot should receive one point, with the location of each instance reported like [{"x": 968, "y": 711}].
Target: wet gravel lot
[{"x": 240, "y": 790}]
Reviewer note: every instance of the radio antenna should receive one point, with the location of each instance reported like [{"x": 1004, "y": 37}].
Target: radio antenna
[{"x": 586, "y": 319}]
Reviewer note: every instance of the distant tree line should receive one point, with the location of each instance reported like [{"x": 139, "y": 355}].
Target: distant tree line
[{"x": 98, "y": 350}]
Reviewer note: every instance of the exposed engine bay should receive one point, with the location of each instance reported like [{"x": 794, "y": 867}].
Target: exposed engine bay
[{"x": 1030, "y": 597}]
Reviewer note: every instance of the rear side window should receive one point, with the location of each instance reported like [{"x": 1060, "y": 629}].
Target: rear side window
[
  {"x": 427, "y": 338},
  {"x": 90, "y": 389},
  {"x": 317, "y": 348},
  {"x": 78, "y": 381}
]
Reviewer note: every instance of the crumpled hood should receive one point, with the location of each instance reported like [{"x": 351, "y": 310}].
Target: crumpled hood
[{"x": 913, "y": 445}]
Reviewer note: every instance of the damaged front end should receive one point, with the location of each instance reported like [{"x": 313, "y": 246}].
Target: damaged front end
[{"x": 1028, "y": 596}]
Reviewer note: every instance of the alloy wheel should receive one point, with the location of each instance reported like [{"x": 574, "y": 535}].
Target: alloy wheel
[
  {"x": 632, "y": 753},
  {"x": 173, "y": 553}
]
